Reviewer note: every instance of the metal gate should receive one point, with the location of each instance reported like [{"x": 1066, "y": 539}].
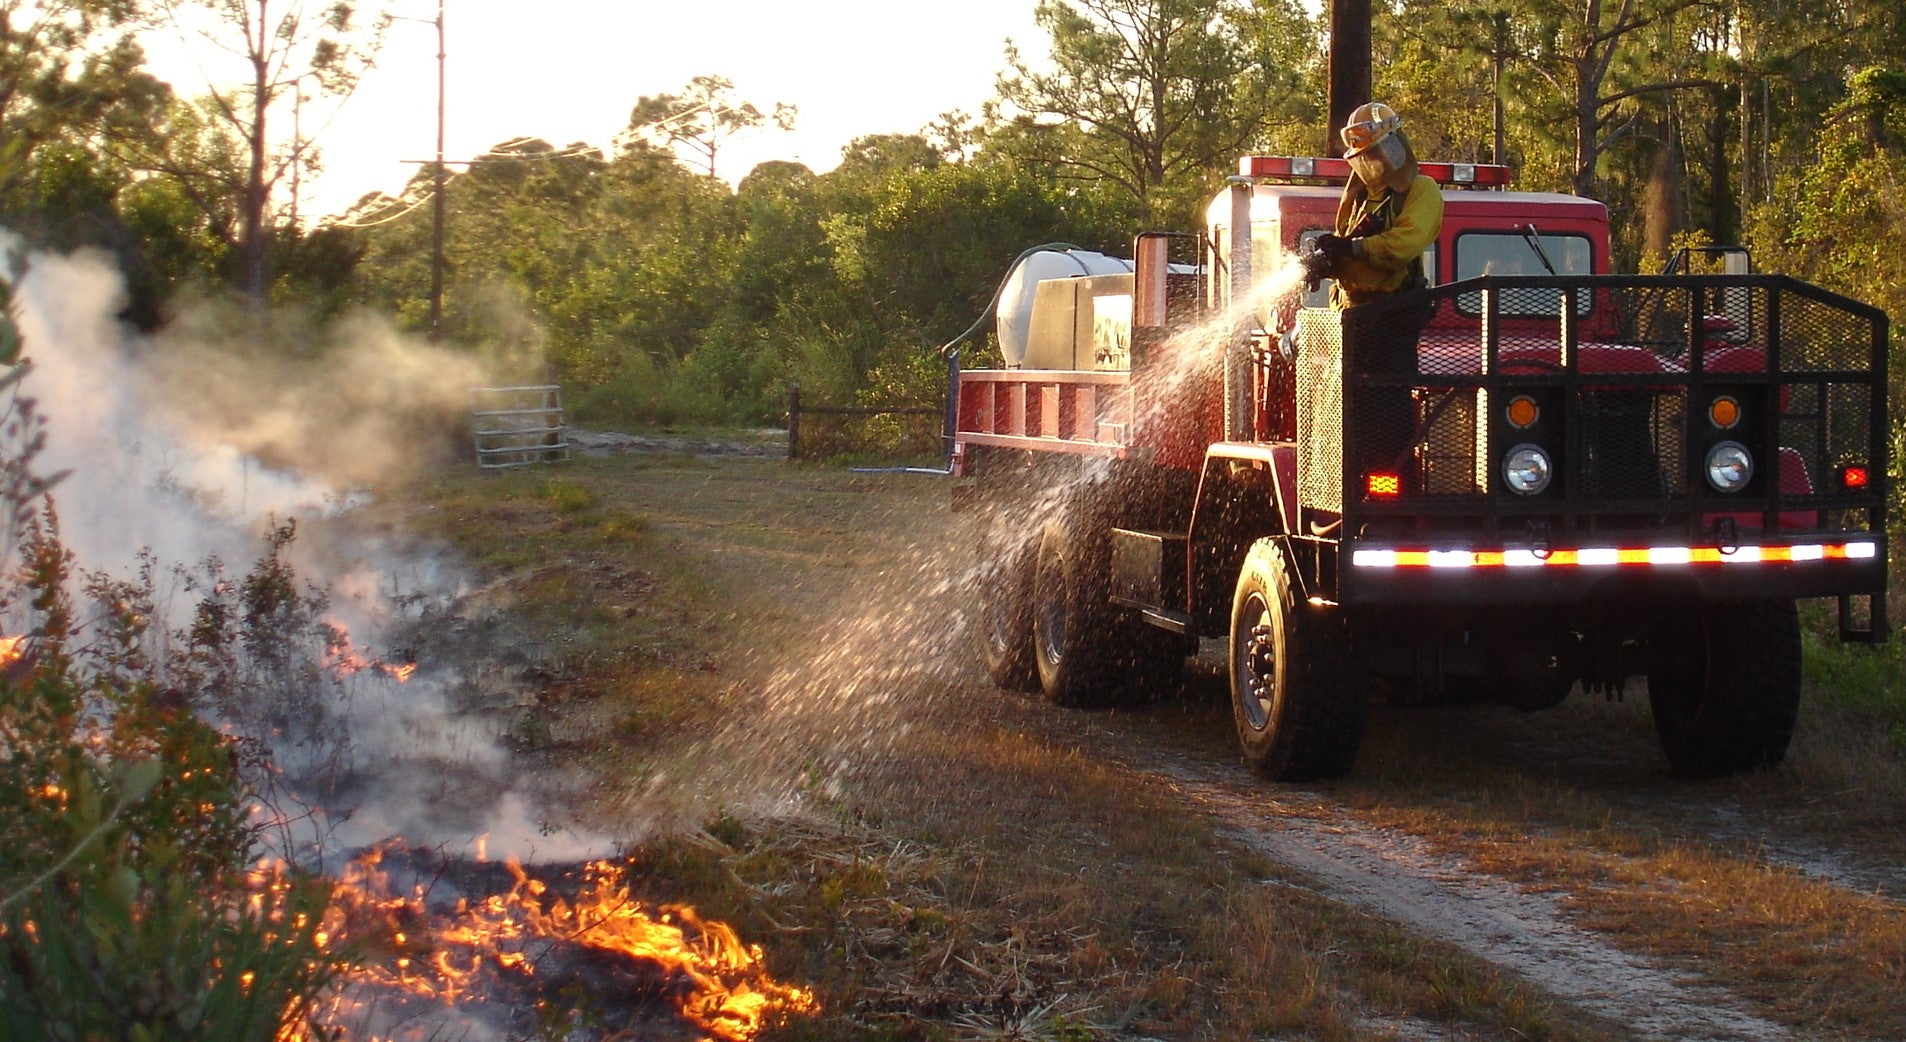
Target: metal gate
[{"x": 518, "y": 426}]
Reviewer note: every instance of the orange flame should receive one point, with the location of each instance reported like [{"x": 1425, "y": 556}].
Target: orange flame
[
  {"x": 454, "y": 959},
  {"x": 343, "y": 658}
]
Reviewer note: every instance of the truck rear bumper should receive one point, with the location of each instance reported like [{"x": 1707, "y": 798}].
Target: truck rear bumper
[{"x": 1384, "y": 574}]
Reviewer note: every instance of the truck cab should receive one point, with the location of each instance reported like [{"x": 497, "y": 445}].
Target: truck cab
[{"x": 1486, "y": 228}]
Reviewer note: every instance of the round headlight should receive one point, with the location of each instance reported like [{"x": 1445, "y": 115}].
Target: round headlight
[
  {"x": 1729, "y": 466},
  {"x": 1527, "y": 469}
]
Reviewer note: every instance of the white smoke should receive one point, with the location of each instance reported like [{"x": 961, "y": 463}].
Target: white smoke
[{"x": 167, "y": 440}]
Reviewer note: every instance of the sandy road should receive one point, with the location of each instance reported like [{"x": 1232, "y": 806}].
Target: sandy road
[{"x": 1399, "y": 877}]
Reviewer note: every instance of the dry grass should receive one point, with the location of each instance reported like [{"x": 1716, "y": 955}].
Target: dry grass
[{"x": 968, "y": 877}]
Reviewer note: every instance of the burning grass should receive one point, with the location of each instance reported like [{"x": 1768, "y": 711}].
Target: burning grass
[{"x": 547, "y": 951}]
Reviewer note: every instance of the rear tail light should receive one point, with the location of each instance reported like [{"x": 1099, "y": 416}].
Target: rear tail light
[
  {"x": 1854, "y": 476},
  {"x": 1383, "y": 486}
]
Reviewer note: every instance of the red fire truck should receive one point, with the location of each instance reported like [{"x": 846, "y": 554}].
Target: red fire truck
[{"x": 1567, "y": 479}]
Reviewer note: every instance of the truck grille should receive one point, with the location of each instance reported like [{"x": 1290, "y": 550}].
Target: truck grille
[{"x": 1623, "y": 379}]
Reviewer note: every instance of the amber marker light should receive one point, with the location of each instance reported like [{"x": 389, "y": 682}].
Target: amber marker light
[
  {"x": 1383, "y": 486},
  {"x": 1523, "y": 412},
  {"x": 1724, "y": 412}
]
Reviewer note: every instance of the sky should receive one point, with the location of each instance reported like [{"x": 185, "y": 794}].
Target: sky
[{"x": 570, "y": 70}]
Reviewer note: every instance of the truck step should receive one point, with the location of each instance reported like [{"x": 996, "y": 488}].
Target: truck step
[
  {"x": 1176, "y": 621},
  {"x": 1148, "y": 568},
  {"x": 1872, "y": 629}
]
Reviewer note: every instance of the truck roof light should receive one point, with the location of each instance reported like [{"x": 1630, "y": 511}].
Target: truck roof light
[{"x": 1276, "y": 169}]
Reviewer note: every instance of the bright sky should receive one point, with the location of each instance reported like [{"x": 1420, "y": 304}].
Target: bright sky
[{"x": 570, "y": 70}]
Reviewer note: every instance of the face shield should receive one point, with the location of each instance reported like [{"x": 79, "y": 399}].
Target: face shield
[
  {"x": 1374, "y": 165},
  {"x": 1368, "y": 166}
]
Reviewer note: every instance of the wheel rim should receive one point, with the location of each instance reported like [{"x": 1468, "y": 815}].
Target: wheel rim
[
  {"x": 1256, "y": 665},
  {"x": 1049, "y": 604}
]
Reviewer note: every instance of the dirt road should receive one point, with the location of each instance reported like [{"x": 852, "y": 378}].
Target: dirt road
[{"x": 1554, "y": 847}]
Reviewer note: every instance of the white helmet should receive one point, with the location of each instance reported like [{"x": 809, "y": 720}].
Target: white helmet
[{"x": 1371, "y": 124}]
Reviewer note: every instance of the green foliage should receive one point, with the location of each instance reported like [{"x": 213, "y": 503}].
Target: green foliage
[
  {"x": 567, "y": 497},
  {"x": 664, "y": 298},
  {"x": 131, "y": 942},
  {"x": 1869, "y": 682},
  {"x": 125, "y": 909},
  {"x": 1156, "y": 97},
  {"x": 656, "y": 294},
  {"x": 1841, "y": 221}
]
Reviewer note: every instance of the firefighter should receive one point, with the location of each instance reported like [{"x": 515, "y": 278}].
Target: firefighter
[{"x": 1389, "y": 214}]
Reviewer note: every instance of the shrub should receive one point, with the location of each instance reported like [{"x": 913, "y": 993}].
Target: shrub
[{"x": 128, "y": 907}]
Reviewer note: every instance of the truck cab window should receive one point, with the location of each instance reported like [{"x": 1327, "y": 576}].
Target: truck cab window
[{"x": 1512, "y": 253}]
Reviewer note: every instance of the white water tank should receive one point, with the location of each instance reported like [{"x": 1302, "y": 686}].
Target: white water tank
[{"x": 1014, "y": 316}]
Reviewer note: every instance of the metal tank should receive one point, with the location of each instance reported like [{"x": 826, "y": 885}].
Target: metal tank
[{"x": 1021, "y": 288}]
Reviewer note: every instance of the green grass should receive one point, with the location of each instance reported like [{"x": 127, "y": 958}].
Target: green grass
[{"x": 1865, "y": 682}]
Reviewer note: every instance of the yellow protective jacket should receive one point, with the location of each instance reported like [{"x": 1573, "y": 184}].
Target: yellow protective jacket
[{"x": 1404, "y": 227}]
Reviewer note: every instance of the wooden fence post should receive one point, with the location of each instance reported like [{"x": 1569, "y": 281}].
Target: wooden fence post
[
  {"x": 949, "y": 426},
  {"x": 794, "y": 421}
]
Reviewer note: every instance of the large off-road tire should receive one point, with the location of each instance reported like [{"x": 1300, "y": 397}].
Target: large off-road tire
[
  {"x": 1074, "y": 627},
  {"x": 1004, "y": 603},
  {"x": 1724, "y": 685},
  {"x": 1299, "y": 711}
]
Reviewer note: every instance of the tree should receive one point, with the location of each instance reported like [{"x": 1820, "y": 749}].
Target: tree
[
  {"x": 281, "y": 44},
  {"x": 67, "y": 69},
  {"x": 1151, "y": 94},
  {"x": 700, "y": 119}
]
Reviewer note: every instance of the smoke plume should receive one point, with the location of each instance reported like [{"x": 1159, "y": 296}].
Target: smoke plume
[{"x": 188, "y": 448}]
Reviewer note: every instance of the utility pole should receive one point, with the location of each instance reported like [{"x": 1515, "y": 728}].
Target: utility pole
[
  {"x": 1349, "y": 66},
  {"x": 1499, "y": 50},
  {"x": 437, "y": 194},
  {"x": 436, "y": 232}
]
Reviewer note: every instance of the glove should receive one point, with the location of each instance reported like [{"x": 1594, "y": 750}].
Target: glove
[
  {"x": 1336, "y": 247},
  {"x": 1316, "y": 266}
]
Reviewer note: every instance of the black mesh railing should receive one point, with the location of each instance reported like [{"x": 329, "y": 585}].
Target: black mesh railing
[{"x": 1624, "y": 384}]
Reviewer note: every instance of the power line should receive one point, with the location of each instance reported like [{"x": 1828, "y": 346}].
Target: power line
[{"x": 379, "y": 221}]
